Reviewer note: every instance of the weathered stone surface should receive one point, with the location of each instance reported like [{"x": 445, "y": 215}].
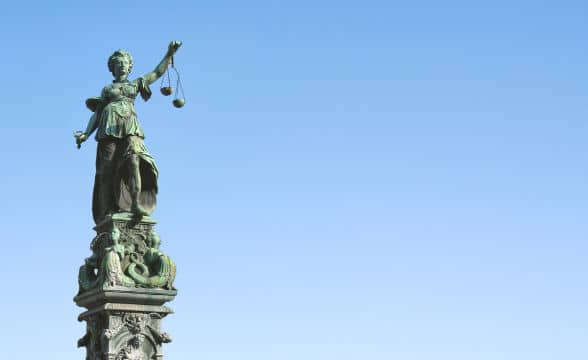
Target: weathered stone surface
[
  {"x": 123, "y": 286},
  {"x": 124, "y": 295},
  {"x": 127, "y": 329}
]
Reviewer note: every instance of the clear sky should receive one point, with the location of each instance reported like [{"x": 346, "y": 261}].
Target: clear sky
[{"x": 348, "y": 179}]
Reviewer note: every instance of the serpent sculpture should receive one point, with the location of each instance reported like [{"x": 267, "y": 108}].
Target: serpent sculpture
[{"x": 134, "y": 262}]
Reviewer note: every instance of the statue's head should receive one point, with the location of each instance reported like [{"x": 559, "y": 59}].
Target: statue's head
[
  {"x": 120, "y": 64},
  {"x": 115, "y": 235},
  {"x": 154, "y": 240}
]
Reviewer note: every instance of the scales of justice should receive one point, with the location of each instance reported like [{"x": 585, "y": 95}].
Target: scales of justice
[{"x": 127, "y": 280}]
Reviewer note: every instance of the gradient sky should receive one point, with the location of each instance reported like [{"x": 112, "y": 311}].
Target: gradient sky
[{"x": 348, "y": 180}]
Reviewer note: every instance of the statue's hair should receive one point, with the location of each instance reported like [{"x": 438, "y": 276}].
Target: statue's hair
[{"x": 118, "y": 54}]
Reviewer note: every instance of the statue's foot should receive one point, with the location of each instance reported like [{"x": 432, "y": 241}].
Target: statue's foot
[{"x": 138, "y": 210}]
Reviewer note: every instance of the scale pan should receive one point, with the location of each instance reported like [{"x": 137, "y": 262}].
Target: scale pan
[{"x": 179, "y": 102}]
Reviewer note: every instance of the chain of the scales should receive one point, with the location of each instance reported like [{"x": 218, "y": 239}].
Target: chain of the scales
[{"x": 179, "y": 99}]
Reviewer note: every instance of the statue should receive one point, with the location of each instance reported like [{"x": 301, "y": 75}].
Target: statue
[
  {"x": 128, "y": 278},
  {"x": 126, "y": 174},
  {"x": 133, "y": 261}
]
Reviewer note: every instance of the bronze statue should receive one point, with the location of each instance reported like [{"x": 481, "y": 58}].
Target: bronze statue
[{"x": 126, "y": 175}]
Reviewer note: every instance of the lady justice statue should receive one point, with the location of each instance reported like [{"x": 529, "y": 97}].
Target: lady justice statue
[{"x": 126, "y": 175}]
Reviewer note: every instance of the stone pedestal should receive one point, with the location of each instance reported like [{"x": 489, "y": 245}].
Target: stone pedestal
[
  {"x": 124, "y": 286},
  {"x": 124, "y": 323}
]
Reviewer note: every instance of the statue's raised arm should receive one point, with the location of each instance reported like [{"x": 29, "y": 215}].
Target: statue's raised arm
[{"x": 159, "y": 70}]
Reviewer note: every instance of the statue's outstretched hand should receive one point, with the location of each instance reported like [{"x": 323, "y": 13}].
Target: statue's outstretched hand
[
  {"x": 173, "y": 47},
  {"x": 80, "y": 138}
]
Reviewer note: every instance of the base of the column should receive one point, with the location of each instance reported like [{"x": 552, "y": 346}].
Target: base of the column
[{"x": 124, "y": 324}]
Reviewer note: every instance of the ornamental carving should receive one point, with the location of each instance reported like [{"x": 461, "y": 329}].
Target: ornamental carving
[{"x": 128, "y": 257}]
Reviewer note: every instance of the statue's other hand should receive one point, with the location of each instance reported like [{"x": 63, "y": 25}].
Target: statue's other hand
[
  {"x": 80, "y": 138},
  {"x": 173, "y": 47}
]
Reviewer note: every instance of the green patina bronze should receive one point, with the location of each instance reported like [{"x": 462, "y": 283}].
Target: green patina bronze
[
  {"x": 130, "y": 257},
  {"x": 125, "y": 249},
  {"x": 127, "y": 279},
  {"x": 126, "y": 174}
]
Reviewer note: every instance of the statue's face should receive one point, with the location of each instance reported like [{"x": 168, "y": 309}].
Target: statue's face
[{"x": 122, "y": 67}]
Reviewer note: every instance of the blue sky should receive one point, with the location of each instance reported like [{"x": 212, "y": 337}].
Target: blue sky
[{"x": 348, "y": 180}]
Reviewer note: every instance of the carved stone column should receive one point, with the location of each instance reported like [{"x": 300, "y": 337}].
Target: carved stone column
[{"x": 124, "y": 286}]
